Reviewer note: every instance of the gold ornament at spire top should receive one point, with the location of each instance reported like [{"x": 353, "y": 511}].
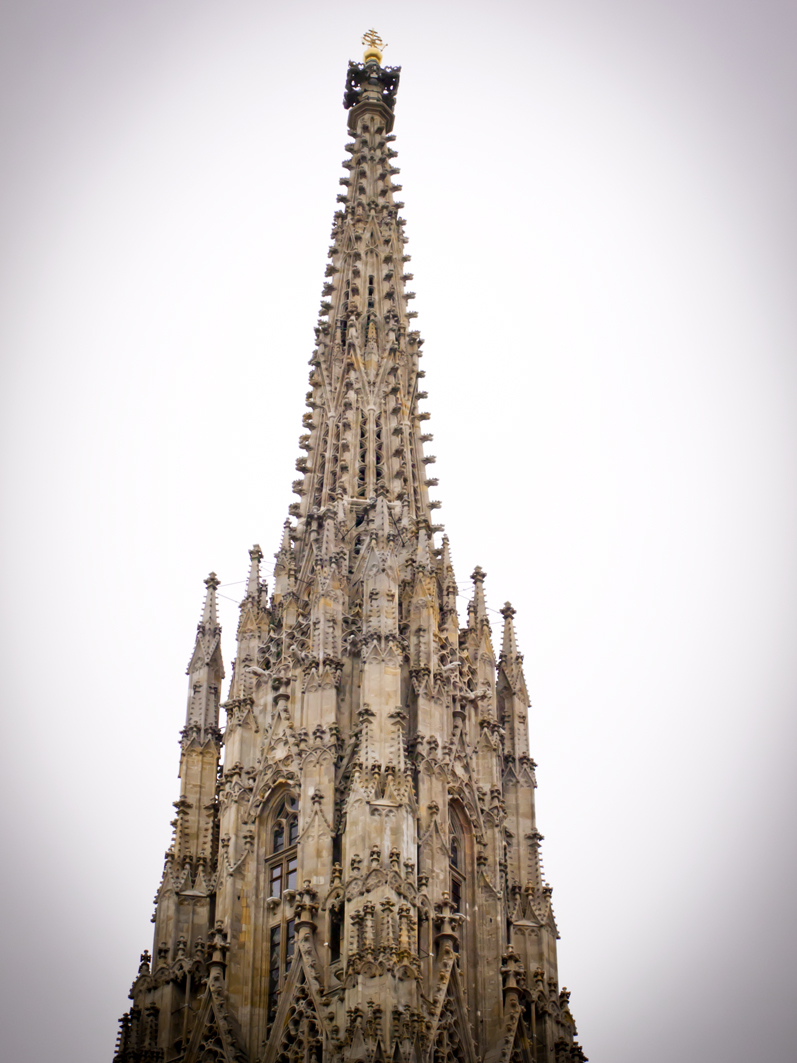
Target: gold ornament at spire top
[{"x": 374, "y": 46}]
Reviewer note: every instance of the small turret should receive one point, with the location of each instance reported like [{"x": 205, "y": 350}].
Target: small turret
[
  {"x": 205, "y": 671},
  {"x": 184, "y": 900},
  {"x": 448, "y": 581},
  {"x": 509, "y": 654},
  {"x": 422, "y": 559},
  {"x": 253, "y": 581},
  {"x": 513, "y": 697},
  {"x": 479, "y": 605},
  {"x": 284, "y": 557}
]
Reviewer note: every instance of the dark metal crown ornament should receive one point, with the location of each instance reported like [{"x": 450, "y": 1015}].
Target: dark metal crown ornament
[{"x": 370, "y": 86}]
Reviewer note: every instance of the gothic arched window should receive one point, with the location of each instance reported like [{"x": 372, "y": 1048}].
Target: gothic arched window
[
  {"x": 337, "y": 908},
  {"x": 281, "y": 875},
  {"x": 456, "y": 868},
  {"x": 461, "y": 887},
  {"x": 284, "y": 835}
]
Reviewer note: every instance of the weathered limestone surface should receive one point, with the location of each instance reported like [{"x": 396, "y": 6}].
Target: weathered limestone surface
[{"x": 362, "y": 878}]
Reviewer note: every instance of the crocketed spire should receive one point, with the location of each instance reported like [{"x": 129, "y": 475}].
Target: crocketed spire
[{"x": 362, "y": 878}]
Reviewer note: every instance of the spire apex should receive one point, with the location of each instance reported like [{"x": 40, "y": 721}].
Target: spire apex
[
  {"x": 370, "y": 87},
  {"x": 374, "y": 46}
]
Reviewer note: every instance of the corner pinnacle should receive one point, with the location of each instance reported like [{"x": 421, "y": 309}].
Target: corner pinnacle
[
  {"x": 209, "y": 615},
  {"x": 479, "y": 605},
  {"x": 253, "y": 582},
  {"x": 509, "y": 651}
]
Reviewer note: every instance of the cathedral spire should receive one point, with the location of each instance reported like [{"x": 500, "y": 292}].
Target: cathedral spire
[
  {"x": 364, "y": 424},
  {"x": 346, "y": 887}
]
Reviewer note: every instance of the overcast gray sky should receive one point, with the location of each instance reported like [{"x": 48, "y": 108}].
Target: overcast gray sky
[{"x": 601, "y": 212}]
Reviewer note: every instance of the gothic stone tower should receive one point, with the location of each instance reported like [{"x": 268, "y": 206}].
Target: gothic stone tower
[{"x": 361, "y": 879}]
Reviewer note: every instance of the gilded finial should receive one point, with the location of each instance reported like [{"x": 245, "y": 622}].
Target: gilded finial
[{"x": 374, "y": 46}]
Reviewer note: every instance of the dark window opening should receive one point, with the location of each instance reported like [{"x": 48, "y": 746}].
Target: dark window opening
[
  {"x": 457, "y": 887},
  {"x": 335, "y": 933},
  {"x": 274, "y": 971},
  {"x": 290, "y": 942},
  {"x": 370, "y": 305},
  {"x": 282, "y": 870},
  {"x": 456, "y": 894},
  {"x": 275, "y": 889},
  {"x": 286, "y": 820}
]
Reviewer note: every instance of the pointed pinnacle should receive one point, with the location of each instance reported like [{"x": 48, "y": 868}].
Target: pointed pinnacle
[
  {"x": 479, "y": 605},
  {"x": 253, "y": 582},
  {"x": 285, "y": 545},
  {"x": 209, "y": 616},
  {"x": 509, "y": 645},
  {"x": 447, "y": 566},
  {"x": 445, "y": 557},
  {"x": 381, "y": 516},
  {"x": 328, "y": 536},
  {"x": 422, "y": 559}
]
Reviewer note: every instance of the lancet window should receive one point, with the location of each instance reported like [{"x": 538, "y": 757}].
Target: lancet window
[
  {"x": 456, "y": 867},
  {"x": 336, "y": 921},
  {"x": 281, "y": 876},
  {"x": 461, "y": 875},
  {"x": 337, "y": 908}
]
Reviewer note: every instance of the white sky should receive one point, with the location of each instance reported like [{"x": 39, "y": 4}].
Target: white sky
[{"x": 601, "y": 213}]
